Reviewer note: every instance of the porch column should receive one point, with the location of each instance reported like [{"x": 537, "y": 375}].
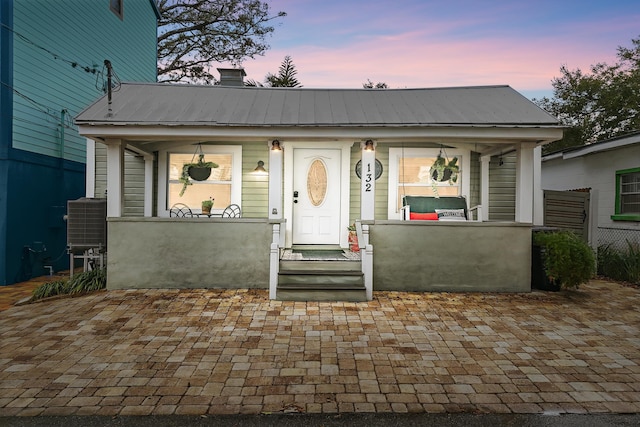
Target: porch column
[
  {"x": 524, "y": 182},
  {"x": 484, "y": 186},
  {"x": 538, "y": 194},
  {"x": 148, "y": 185},
  {"x": 275, "y": 179},
  {"x": 115, "y": 177},
  {"x": 368, "y": 181},
  {"x": 90, "y": 176}
]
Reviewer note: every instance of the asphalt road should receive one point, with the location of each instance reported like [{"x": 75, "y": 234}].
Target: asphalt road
[{"x": 338, "y": 420}]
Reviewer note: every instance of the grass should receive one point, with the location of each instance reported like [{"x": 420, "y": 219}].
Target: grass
[
  {"x": 617, "y": 264},
  {"x": 80, "y": 283}
]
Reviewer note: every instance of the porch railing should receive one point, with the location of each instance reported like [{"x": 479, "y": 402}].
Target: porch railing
[{"x": 366, "y": 256}]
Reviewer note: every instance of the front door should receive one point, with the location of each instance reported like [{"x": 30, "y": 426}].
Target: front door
[{"x": 316, "y": 196}]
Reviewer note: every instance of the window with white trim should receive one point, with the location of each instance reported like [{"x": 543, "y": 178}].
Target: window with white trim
[
  {"x": 223, "y": 185},
  {"x": 409, "y": 175}
]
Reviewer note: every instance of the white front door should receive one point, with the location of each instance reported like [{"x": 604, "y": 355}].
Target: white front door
[{"x": 316, "y": 196}]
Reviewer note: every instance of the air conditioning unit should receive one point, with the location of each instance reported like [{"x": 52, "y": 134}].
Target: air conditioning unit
[{"x": 86, "y": 224}]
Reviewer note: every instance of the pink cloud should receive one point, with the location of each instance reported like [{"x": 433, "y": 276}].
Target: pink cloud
[{"x": 465, "y": 51}]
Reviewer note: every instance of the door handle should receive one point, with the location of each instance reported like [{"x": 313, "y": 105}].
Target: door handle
[{"x": 295, "y": 197}]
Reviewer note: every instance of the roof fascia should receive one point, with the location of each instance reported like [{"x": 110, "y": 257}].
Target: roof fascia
[
  {"x": 490, "y": 134},
  {"x": 603, "y": 146}
]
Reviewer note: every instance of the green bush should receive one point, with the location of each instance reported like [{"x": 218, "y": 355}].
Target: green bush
[
  {"x": 618, "y": 264},
  {"x": 83, "y": 282},
  {"x": 568, "y": 260},
  {"x": 50, "y": 289}
]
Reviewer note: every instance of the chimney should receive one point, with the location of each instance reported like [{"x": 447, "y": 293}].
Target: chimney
[{"x": 232, "y": 76}]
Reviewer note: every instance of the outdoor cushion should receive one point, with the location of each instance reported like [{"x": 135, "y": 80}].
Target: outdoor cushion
[
  {"x": 430, "y": 216},
  {"x": 451, "y": 215},
  {"x": 428, "y": 204}
]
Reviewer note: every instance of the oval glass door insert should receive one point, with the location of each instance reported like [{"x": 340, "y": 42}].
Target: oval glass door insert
[{"x": 317, "y": 182}]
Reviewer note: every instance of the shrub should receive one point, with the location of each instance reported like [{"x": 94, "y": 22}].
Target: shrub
[
  {"x": 618, "y": 264},
  {"x": 80, "y": 283},
  {"x": 568, "y": 260},
  {"x": 50, "y": 289}
]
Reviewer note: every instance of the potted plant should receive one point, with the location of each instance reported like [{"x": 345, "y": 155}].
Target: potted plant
[
  {"x": 207, "y": 205},
  {"x": 353, "y": 239},
  {"x": 198, "y": 171},
  {"x": 564, "y": 260},
  {"x": 443, "y": 170}
]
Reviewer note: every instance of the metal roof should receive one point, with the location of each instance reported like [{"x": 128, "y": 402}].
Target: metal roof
[
  {"x": 631, "y": 138},
  {"x": 224, "y": 106}
]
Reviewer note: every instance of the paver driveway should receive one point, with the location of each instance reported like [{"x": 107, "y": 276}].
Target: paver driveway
[{"x": 220, "y": 351}]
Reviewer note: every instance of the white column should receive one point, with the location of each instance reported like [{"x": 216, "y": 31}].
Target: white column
[
  {"x": 538, "y": 194},
  {"x": 275, "y": 180},
  {"x": 90, "y": 168},
  {"x": 115, "y": 177},
  {"x": 368, "y": 181},
  {"x": 524, "y": 182},
  {"x": 484, "y": 187},
  {"x": 148, "y": 185}
]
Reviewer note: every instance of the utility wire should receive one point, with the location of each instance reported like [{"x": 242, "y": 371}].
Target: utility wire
[
  {"x": 40, "y": 107},
  {"x": 74, "y": 64}
]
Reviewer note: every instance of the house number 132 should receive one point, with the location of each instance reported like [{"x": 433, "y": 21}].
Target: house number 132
[{"x": 368, "y": 178}]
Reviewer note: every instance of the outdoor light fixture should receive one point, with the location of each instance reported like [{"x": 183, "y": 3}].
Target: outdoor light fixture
[
  {"x": 275, "y": 145},
  {"x": 260, "y": 168},
  {"x": 368, "y": 146}
]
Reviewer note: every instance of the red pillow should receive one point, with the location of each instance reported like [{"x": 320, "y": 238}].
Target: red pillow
[{"x": 431, "y": 216}]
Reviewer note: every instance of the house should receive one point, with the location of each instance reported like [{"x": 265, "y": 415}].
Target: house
[
  {"x": 333, "y": 157},
  {"x": 52, "y": 64},
  {"x": 610, "y": 171}
]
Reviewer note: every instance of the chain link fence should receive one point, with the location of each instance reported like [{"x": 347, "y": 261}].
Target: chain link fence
[
  {"x": 617, "y": 238},
  {"x": 619, "y": 253}
]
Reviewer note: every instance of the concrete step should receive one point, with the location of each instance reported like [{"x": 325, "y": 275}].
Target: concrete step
[
  {"x": 350, "y": 295},
  {"x": 321, "y": 281},
  {"x": 321, "y": 265}
]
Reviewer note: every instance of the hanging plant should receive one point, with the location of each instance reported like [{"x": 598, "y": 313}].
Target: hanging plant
[
  {"x": 198, "y": 171},
  {"x": 443, "y": 170}
]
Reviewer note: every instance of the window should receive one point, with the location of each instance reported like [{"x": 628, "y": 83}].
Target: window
[
  {"x": 116, "y": 7},
  {"x": 223, "y": 185},
  {"x": 409, "y": 175},
  {"x": 627, "y": 195}
]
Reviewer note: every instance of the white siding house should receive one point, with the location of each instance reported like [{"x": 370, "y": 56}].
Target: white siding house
[{"x": 611, "y": 170}]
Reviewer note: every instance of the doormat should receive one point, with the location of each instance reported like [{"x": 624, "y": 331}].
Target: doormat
[{"x": 320, "y": 255}]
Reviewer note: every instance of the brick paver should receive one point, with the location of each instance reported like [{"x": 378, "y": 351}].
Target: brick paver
[{"x": 140, "y": 352}]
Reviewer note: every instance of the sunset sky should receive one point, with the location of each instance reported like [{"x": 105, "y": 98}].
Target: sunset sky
[{"x": 441, "y": 43}]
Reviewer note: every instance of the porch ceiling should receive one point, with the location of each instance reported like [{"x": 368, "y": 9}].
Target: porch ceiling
[{"x": 481, "y": 138}]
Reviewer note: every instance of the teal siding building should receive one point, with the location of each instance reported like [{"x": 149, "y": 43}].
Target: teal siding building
[{"x": 52, "y": 65}]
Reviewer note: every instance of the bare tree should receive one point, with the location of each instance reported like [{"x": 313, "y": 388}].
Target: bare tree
[{"x": 192, "y": 34}]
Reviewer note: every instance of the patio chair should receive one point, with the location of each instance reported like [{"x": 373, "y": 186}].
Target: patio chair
[
  {"x": 180, "y": 210},
  {"x": 232, "y": 211}
]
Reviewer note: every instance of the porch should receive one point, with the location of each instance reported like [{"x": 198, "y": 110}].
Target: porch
[{"x": 240, "y": 253}]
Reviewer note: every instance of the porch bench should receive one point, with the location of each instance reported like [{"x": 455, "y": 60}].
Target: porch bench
[{"x": 424, "y": 208}]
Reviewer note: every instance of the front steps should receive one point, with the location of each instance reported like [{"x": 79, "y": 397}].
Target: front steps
[{"x": 320, "y": 280}]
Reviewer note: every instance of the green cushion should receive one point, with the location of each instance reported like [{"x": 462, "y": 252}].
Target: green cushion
[{"x": 425, "y": 204}]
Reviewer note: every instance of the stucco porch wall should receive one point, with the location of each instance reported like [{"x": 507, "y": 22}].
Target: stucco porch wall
[
  {"x": 188, "y": 253},
  {"x": 451, "y": 257}
]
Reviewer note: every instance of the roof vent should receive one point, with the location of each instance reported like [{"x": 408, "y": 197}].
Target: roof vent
[{"x": 232, "y": 76}]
